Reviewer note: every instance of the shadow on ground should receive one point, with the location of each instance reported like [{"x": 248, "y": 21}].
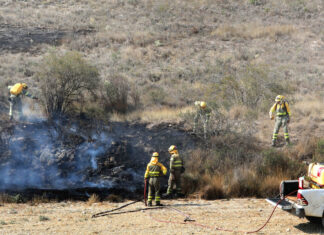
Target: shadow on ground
[{"x": 311, "y": 228}]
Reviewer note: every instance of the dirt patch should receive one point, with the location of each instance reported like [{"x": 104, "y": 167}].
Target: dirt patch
[{"x": 75, "y": 218}]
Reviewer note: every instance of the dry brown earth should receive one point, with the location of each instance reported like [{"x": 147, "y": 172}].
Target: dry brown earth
[{"x": 75, "y": 218}]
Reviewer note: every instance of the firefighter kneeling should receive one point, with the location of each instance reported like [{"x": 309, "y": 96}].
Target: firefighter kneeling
[{"x": 154, "y": 171}]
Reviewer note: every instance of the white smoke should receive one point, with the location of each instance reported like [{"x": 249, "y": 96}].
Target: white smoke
[{"x": 39, "y": 159}]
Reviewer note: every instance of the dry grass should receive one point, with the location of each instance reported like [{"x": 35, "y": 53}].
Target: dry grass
[
  {"x": 309, "y": 106},
  {"x": 270, "y": 185},
  {"x": 252, "y": 31},
  {"x": 114, "y": 198},
  {"x": 163, "y": 114},
  {"x": 237, "y": 112},
  {"x": 94, "y": 198},
  {"x": 212, "y": 187},
  {"x": 40, "y": 199}
]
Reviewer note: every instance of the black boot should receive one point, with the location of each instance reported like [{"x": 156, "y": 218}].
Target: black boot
[
  {"x": 287, "y": 142},
  {"x": 159, "y": 204},
  {"x": 167, "y": 195},
  {"x": 273, "y": 144},
  {"x": 180, "y": 195},
  {"x": 149, "y": 204}
]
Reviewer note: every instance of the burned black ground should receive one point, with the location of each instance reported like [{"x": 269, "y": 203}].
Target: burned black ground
[{"x": 71, "y": 159}]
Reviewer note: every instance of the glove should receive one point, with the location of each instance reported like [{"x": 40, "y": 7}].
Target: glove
[
  {"x": 272, "y": 118},
  {"x": 9, "y": 99},
  {"x": 288, "y": 120}
]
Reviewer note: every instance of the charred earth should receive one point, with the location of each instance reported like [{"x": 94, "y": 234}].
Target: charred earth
[{"x": 65, "y": 159}]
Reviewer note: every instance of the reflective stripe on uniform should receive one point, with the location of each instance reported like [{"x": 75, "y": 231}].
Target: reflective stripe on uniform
[
  {"x": 154, "y": 173},
  {"x": 286, "y": 136},
  {"x": 177, "y": 164}
]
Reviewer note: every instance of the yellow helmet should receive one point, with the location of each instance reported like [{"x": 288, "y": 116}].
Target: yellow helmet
[
  {"x": 24, "y": 85},
  {"x": 172, "y": 148},
  {"x": 203, "y": 104},
  {"x": 155, "y": 154},
  {"x": 279, "y": 98}
]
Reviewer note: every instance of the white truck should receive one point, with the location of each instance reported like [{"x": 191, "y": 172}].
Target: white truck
[{"x": 301, "y": 201}]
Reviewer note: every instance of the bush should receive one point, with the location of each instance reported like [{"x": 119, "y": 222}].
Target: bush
[
  {"x": 157, "y": 95},
  {"x": 276, "y": 163},
  {"x": 64, "y": 80},
  {"x": 252, "y": 87},
  {"x": 116, "y": 91},
  {"x": 319, "y": 151},
  {"x": 242, "y": 182}
]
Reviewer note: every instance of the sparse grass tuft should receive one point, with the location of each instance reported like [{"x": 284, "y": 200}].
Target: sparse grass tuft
[
  {"x": 94, "y": 198},
  {"x": 3, "y": 222},
  {"x": 40, "y": 199},
  {"x": 43, "y": 218},
  {"x": 252, "y": 31},
  {"x": 114, "y": 198}
]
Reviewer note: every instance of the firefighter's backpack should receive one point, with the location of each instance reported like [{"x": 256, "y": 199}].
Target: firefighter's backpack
[{"x": 16, "y": 89}]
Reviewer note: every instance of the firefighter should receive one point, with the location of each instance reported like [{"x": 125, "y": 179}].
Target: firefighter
[
  {"x": 176, "y": 168},
  {"x": 203, "y": 112},
  {"x": 281, "y": 107},
  {"x": 154, "y": 171},
  {"x": 16, "y": 92}
]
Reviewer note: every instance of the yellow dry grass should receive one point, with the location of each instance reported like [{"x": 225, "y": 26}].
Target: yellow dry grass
[
  {"x": 310, "y": 106},
  {"x": 252, "y": 31},
  {"x": 163, "y": 114},
  {"x": 94, "y": 198}
]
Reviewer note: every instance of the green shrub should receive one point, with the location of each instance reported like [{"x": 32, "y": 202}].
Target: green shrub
[
  {"x": 116, "y": 94},
  {"x": 64, "y": 80}
]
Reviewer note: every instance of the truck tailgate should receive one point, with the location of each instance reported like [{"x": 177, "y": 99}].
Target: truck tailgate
[{"x": 284, "y": 205}]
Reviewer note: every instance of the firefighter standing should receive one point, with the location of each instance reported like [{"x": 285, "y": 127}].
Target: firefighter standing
[
  {"x": 154, "y": 171},
  {"x": 282, "y": 109},
  {"x": 16, "y": 92},
  {"x": 176, "y": 168},
  {"x": 203, "y": 112}
]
